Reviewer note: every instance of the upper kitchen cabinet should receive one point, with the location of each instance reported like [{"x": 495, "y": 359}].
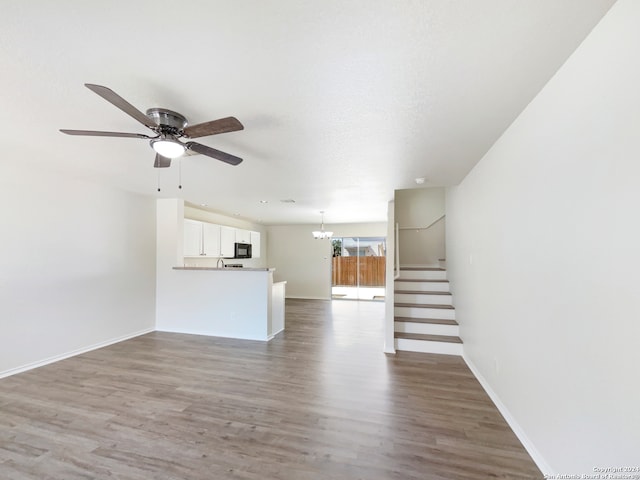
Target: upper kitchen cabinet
[
  {"x": 192, "y": 245},
  {"x": 211, "y": 240},
  {"x": 201, "y": 239},
  {"x": 227, "y": 241},
  {"x": 243, "y": 236},
  {"x": 255, "y": 244}
]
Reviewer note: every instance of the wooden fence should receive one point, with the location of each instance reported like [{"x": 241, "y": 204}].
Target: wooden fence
[{"x": 372, "y": 271}]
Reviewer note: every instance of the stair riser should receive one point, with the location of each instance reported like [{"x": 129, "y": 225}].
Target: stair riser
[
  {"x": 425, "y": 346},
  {"x": 422, "y": 298},
  {"x": 422, "y": 286},
  {"x": 428, "y": 328},
  {"x": 424, "y": 274},
  {"x": 446, "y": 314}
]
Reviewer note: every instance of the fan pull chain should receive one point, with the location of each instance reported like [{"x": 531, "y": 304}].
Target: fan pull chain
[
  {"x": 180, "y": 173},
  {"x": 158, "y": 179}
]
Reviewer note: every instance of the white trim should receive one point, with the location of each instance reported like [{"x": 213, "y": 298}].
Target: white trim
[
  {"x": 73, "y": 353},
  {"x": 270, "y": 337},
  {"x": 187, "y": 331},
  {"x": 295, "y": 297},
  {"x": 517, "y": 429},
  {"x": 396, "y": 264}
]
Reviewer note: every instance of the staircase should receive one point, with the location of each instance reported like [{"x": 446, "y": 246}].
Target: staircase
[{"x": 424, "y": 317}]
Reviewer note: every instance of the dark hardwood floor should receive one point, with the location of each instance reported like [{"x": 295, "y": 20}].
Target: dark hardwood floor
[{"x": 320, "y": 401}]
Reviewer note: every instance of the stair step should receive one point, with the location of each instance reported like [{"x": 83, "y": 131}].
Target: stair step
[
  {"x": 421, "y": 285},
  {"x": 420, "y": 280},
  {"x": 420, "y": 298},
  {"x": 427, "y": 328},
  {"x": 434, "y": 321},
  {"x": 431, "y": 273},
  {"x": 424, "y": 305},
  {"x": 428, "y": 344},
  {"x": 428, "y": 338},
  {"x": 422, "y": 292},
  {"x": 424, "y": 311},
  {"x": 423, "y": 269}
]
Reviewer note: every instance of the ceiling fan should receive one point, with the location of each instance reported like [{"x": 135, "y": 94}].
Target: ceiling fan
[{"x": 169, "y": 127}]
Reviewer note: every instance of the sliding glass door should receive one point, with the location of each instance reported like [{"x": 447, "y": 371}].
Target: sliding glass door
[{"x": 358, "y": 268}]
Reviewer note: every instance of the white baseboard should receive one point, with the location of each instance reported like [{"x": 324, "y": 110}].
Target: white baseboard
[
  {"x": 274, "y": 334},
  {"x": 517, "y": 429},
  {"x": 73, "y": 353},
  {"x": 187, "y": 331}
]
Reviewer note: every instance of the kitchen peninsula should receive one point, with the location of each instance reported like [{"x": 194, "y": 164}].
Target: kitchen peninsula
[{"x": 226, "y": 302}]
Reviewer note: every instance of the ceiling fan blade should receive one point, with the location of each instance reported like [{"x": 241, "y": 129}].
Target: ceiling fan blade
[
  {"x": 213, "y": 153},
  {"x": 161, "y": 162},
  {"x": 115, "y": 99},
  {"x": 214, "y": 127},
  {"x": 93, "y": 133}
]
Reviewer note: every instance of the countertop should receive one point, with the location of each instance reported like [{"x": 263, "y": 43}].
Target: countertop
[{"x": 230, "y": 269}]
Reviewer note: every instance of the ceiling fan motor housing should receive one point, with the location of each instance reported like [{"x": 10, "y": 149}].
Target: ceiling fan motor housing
[{"x": 168, "y": 121}]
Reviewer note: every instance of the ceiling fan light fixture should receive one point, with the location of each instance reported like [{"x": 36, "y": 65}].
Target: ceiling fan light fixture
[{"x": 168, "y": 147}]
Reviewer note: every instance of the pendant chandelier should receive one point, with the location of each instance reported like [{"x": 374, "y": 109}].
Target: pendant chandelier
[{"x": 320, "y": 234}]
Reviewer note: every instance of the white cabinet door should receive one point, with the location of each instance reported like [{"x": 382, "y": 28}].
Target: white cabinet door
[
  {"x": 255, "y": 244},
  {"x": 243, "y": 236},
  {"x": 227, "y": 241},
  {"x": 192, "y": 245},
  {"x": 211, "y": 239}
]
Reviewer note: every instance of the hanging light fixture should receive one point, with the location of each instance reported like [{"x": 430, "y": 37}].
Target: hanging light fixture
[{"x": 320, "y": 234}]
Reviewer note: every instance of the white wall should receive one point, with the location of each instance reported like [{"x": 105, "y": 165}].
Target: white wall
[
  {"x": 416, "y": 209},
  {"x": 304, "y": 262},
  {"x": 544, "y": 257},
  {"x": 77, "y": 266}
]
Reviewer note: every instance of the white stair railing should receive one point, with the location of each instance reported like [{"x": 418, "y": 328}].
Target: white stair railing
[{"x": 422, "y": 228}]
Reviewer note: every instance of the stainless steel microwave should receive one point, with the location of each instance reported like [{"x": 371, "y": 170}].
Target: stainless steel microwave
[{"x": 242, "y": 250}]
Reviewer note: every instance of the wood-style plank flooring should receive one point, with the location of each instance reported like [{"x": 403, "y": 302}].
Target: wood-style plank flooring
[{"x": 320, "y": 401}]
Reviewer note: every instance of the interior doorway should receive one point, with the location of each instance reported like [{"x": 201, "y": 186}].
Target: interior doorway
[{"x": 358, "y": 268}]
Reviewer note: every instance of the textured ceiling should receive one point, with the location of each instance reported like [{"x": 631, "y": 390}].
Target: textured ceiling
[{"x": 343, "y": 101}]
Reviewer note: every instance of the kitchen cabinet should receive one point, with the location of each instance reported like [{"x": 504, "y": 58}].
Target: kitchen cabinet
[
  {"x": 243, "y": 236},
  {"x": 201, "y": 239},
  {"x": 255, "y": 244},
  {"x": 227, "y": 241},
  {"x": 211, "y": 240},
  {"x": 192, "y": 245}
]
